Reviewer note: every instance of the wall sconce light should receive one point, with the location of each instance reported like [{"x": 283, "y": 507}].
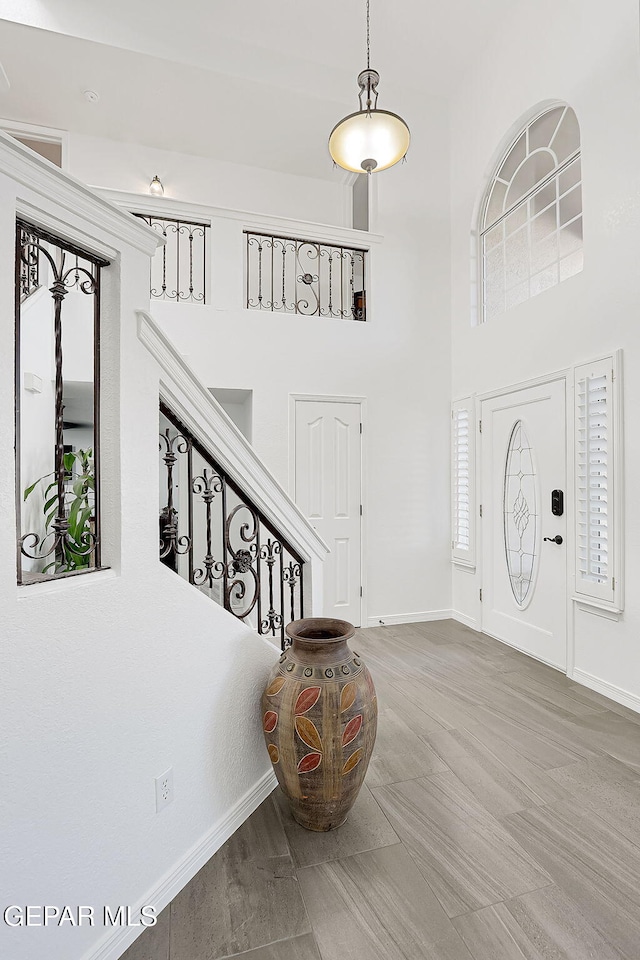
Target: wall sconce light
[{"x": 155, "y": 187}]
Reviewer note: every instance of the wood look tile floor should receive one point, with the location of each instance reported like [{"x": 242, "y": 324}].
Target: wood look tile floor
[{"x": 500, "y": 820}]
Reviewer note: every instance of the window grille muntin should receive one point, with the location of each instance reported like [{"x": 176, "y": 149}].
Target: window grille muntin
[
  {"x": 531, "y": 227},
  {"x": 51, "y": 272}
]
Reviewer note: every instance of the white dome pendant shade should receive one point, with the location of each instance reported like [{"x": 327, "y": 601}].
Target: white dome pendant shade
[{"x": 370, "y": 140}]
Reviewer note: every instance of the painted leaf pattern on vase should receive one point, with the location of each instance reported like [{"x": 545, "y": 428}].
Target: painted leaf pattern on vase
[
  {"x": 311, "y": 761},
  {"x": 348, "y": 696},
  {"x": 308, "y": 733},
  {"x": 352, "y": 762},
  {"x": 352, "y": 730},
  {"x": 275, "y": 686},
  {"x": 270, "y": 721},
  {"x": 307, "y": 699},
  {"x": 274, "y": 753}
]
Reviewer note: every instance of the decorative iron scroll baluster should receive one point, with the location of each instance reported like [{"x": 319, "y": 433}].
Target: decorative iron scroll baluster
[
  {"x": 29, "y": 266},
  {"x": 177, "y": 292},
  {"x": 190, "y": 485},
  {"x": 310, "y": 283},
  {"x": 281, "y": 578},
  {"x": 273, "y": 620},
  {"x": 170, "y": 542},
  {"x": 188, "y": 266},
  {"x": 70, "y": 533},
  {"x": 352, "y": 286},
  {"x": 163, "y": 288},
  {"x": 243, "y": 562},
  {"x": 292, "y": 575},
  {"x": 234, "y": 553},
  {"x": 207, "y": 486}
]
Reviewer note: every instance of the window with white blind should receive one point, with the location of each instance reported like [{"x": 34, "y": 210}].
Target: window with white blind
[
  {"x": 597, "y": 511},
  {"x": 462, "y": 481}
]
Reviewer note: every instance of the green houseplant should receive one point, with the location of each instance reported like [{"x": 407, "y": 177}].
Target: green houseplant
[{"x": 72, "y": 553}]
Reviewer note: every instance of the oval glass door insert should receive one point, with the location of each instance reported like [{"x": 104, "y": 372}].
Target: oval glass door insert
[{"x": 520, "y": 514}]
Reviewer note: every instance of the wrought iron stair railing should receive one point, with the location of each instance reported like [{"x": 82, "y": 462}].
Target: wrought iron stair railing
[{"x": 214, "y": 537}]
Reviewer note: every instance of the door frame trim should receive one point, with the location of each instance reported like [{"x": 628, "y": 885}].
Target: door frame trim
[
  {"x": 295, "y": 398},
  {"x": 525, "y": 384},
  {"x": 566, "y": 375}
]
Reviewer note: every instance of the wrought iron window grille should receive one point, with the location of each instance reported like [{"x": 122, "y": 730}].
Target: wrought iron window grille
[
  {"x": 29, "y": 270},
  {"x": 179, "y": 269},
  {"x": 69, "y": 537},
  {"x": 213, "y": 536},
  {"x": 291, "y": 275}
]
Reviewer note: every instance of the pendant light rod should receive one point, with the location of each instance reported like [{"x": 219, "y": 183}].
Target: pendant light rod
[
  {"x": 369, "y": 78},
  {"x": 368, "y": 40}
]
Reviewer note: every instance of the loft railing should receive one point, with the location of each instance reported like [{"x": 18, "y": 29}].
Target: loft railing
[
  {"x": 214, "y": 537},
  {"x": 291, "y": 275},
  {"x": 179, "y": 268}
]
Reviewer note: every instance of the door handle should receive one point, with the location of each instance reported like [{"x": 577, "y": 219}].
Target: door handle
[{"x": 557, "y": 539}]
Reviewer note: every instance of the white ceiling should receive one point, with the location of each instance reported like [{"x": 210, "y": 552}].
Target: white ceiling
[{"x": 258, "y": 82}]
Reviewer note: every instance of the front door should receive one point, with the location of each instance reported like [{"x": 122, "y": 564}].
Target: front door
[
  {"x": 328, "y": 491},
  {"x": 524, "y": 580}
]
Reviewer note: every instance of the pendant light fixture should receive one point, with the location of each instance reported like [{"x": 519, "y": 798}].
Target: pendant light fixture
[{"x": 371, "y": 139}]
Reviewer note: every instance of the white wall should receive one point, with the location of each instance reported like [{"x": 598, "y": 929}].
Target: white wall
[
  {"x": 587, "y": 55},
  {"x": 399, "y": 360},
  {"x": 110, "y": 678},
  {"x": 130, "y": 166}
]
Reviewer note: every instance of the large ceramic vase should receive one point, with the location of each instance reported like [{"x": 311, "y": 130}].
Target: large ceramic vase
[{"x": 319, "y": 715}]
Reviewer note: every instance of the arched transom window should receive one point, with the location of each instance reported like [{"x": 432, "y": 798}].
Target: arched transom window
[{"x": 531, "y": 222}]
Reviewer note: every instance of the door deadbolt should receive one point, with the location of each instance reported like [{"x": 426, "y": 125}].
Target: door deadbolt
[{"x": 557, "y": 539}]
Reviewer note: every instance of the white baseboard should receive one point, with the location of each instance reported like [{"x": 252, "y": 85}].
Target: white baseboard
[
  {"x": 610, "y": 690},
  {"x": 424, "y": 617},
  {"x": 115, "y": 943},
  {"x": 472, "y": 622}
]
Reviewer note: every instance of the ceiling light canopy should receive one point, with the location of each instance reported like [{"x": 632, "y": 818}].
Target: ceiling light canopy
[{"x": 369, "y": 140}]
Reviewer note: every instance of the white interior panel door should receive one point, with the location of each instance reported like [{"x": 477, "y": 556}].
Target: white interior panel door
[
  {"x": 327, "y": 490},
  {"x": 524, "y": 579}
]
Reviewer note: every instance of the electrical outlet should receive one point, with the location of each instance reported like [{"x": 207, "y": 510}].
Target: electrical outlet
[{"x": 164, "y": 789}]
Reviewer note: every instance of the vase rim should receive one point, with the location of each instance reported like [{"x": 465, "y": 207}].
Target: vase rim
[{"x": 320, "y": 630}]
